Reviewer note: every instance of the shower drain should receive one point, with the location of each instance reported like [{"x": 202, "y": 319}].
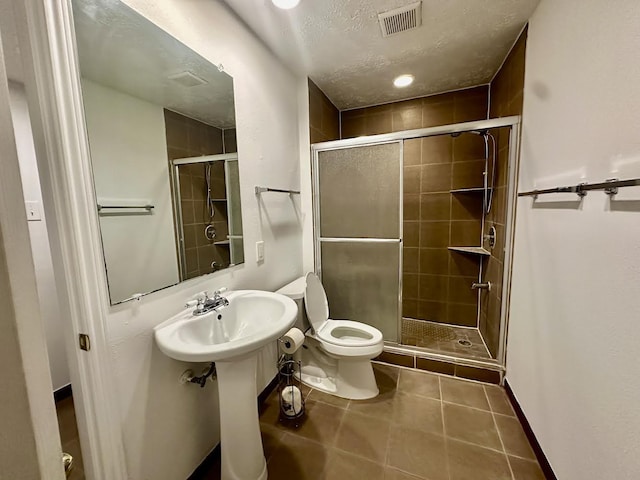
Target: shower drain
[{"x": 464, "y": 343}]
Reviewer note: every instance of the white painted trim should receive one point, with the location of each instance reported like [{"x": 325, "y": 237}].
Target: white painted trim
[{"x": 63, "y": 158}]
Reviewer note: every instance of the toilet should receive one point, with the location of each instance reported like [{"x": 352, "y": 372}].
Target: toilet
[{"x": 336, "y": 356}]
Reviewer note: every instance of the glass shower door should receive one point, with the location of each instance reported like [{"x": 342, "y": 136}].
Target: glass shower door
[{"x": 358, "y": 218}]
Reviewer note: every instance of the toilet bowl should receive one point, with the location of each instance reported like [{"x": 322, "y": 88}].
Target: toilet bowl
[{"x": 336, "y": 356}]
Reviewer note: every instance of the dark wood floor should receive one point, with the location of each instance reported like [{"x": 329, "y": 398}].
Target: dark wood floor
[{"x": 69, "y": 435}]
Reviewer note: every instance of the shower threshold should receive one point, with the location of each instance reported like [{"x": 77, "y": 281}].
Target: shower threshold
[{"x": 444, "y": 338}]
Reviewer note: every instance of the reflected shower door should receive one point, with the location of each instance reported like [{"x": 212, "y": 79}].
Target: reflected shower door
[{"x": 358, "y": 229}]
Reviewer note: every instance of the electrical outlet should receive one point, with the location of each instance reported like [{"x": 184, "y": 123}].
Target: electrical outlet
[
  {"x": 260, "y": 251},
  {"x": 34, "y": 213}
]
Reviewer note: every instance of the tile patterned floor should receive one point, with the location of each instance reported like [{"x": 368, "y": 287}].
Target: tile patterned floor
[
  {"x": 444, "y": 338},
  {"x": 69, "y": 435},
  {"x": 421, "y": 427}
]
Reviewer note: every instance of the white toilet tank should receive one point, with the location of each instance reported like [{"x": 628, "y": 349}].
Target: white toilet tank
[{"x": 295, "y": 291}]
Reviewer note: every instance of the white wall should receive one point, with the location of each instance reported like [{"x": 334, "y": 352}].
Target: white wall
[
  {"x": 129, "y": 157},
  {"x": 575, "y": 306},
  {"x": 40, "y": 249},
  {"x": 169, "y": 428}
]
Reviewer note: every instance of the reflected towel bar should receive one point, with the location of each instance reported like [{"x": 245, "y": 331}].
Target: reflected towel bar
[
  {"x": 148, "y": 208},
  {"x": 260, "y": 190},
  {"x": 610, "y": 187}
]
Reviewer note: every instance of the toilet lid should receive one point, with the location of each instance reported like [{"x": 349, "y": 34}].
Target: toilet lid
[{"x": 315, "y": 302}]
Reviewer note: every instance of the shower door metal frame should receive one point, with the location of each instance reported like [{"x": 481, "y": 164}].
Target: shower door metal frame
[
  {"x": 318, "y": 240},
  {"x": 513, "y": 122}
]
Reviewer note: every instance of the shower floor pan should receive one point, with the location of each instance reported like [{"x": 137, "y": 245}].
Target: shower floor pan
[{"x": 444, "y": 338}]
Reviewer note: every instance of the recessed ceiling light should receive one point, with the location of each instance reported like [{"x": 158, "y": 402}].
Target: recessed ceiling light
[
  {"x": 403, "y": 81},
  {"x": 285, "y": 4}
]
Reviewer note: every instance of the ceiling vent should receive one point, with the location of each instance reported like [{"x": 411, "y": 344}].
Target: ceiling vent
[
  {"x": 401, "y": 19},
  {"x": 187, "y": 79}
]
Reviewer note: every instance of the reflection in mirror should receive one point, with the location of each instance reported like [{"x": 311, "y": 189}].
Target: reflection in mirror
[{"x": 161, "y": 127}]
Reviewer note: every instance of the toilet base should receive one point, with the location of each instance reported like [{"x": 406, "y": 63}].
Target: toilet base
[{"x": 350, "y": 378}]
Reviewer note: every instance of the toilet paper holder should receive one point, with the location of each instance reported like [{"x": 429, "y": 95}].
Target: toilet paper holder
[{"x": 291, "y": 398}]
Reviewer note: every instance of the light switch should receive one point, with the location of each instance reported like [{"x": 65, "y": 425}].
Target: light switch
[
  {"x": 34, "y": 212},
  {"x": 260, "y": 251}
]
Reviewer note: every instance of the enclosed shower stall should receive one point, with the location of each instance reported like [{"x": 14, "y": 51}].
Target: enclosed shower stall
[{"x": 413, "y": 232}]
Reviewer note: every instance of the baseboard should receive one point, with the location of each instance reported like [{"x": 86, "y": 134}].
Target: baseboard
[
  {"x": 537, "y": 449},
  {"x": 62, "y": 393}
]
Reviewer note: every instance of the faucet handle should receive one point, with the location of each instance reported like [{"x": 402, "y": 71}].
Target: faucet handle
[
  {"x": 220, "y": 291},
  {"x": 197, "y": 299}
]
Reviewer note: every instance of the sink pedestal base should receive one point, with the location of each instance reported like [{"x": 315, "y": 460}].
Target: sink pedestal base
[{"x": 241, "y": 443}]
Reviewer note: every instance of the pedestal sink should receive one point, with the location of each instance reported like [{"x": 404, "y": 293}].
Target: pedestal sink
[{"x": 231, "y": 337}]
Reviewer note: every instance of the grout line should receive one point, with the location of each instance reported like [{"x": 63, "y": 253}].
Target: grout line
[
  {"x": 444, "y": 431},
  {"x": 495, "y": 424}
]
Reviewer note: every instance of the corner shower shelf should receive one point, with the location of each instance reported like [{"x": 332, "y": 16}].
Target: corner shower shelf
[
  {"x": 222, "y": 242},
  {"x": 468, "y": 190},
  {"x": 472, "y": 250},
  {"x": 218, "y": 199}
]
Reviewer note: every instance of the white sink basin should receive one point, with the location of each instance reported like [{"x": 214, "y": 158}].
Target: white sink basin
[
  {"x": 231, "y": 337},
  {"x": 252, "y": 319}
]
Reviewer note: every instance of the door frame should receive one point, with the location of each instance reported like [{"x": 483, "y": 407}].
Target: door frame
[{"x": 52, "y": 83}]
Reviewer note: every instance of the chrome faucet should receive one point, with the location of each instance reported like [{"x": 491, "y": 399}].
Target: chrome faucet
[{"x": 204, "y": 303}]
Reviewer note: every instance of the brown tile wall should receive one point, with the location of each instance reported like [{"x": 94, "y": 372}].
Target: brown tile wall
[
  {"x": 230, "y": 143},
  {"x": 324, "y": 117},
  {"x": 506, "y": 99},
  {"x": 190, "y": 138},
  {"x": 436, "y": 281}
]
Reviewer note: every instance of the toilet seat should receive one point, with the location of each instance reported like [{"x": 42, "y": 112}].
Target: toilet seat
[
  {"x": 339, "y": 337},
  {"x": 349, "y": 334}
]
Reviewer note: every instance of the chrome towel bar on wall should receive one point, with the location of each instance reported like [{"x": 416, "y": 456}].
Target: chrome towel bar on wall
[
  {"x": 138, "y": 207},
  {"x": 260, "y": 190},
  {"x": 609, "y": 186}
]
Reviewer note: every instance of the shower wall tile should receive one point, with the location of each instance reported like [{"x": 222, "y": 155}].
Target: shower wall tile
[
  {"x": 460, "y": 290},
  {"x": 437, "y": 149},
  {"x": 430, "y": 210},
  {"x": 463, "y": 314},
  {"x": 436, "y": 177},
  {"x": 467, "y": 206},
  {"x": 324, "y": 117},
  {"x": 434, "y": 110},
  {"x": 412, "y": 153},
  {"x": 508, "y": 84},
  {"x": 434, "y": 261},
  {"x": 410, "y": 285},
  {"x": 433, "y": 311},
  {"x": 468, "y": 174},
  {"x": 435, "y": 206},
  {"x": 434, "y": 234},
  {"x": 506, "y": 99},
  {"x": 411, "y": 207},
  {"x": 411, "y": 179},
  {"x": 410, "y": 259},
  {"x": 187, "y": 137},
  {"x": 411, "y": 234},
  {"x": 230, "y": 140},
  {"x": 468, "y": 147},
  {"x": 464, "y": 265},
  {"x": 466, "y": 233}
]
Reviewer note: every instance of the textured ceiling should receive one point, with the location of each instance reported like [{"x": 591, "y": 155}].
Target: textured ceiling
[
  {"x": 338, "y": 44},
  {"x": 122, "y": 50}
]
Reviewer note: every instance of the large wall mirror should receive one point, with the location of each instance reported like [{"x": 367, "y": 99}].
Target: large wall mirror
[{"x": 161, "y": 127}]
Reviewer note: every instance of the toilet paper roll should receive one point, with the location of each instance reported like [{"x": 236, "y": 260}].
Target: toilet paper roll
[
  {"x": 292, "y": 340},
  {"x": 291, "y": 401}
]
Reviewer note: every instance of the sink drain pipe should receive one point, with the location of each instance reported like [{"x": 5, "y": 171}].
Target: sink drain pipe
[{"x": 189, "y": 377}]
